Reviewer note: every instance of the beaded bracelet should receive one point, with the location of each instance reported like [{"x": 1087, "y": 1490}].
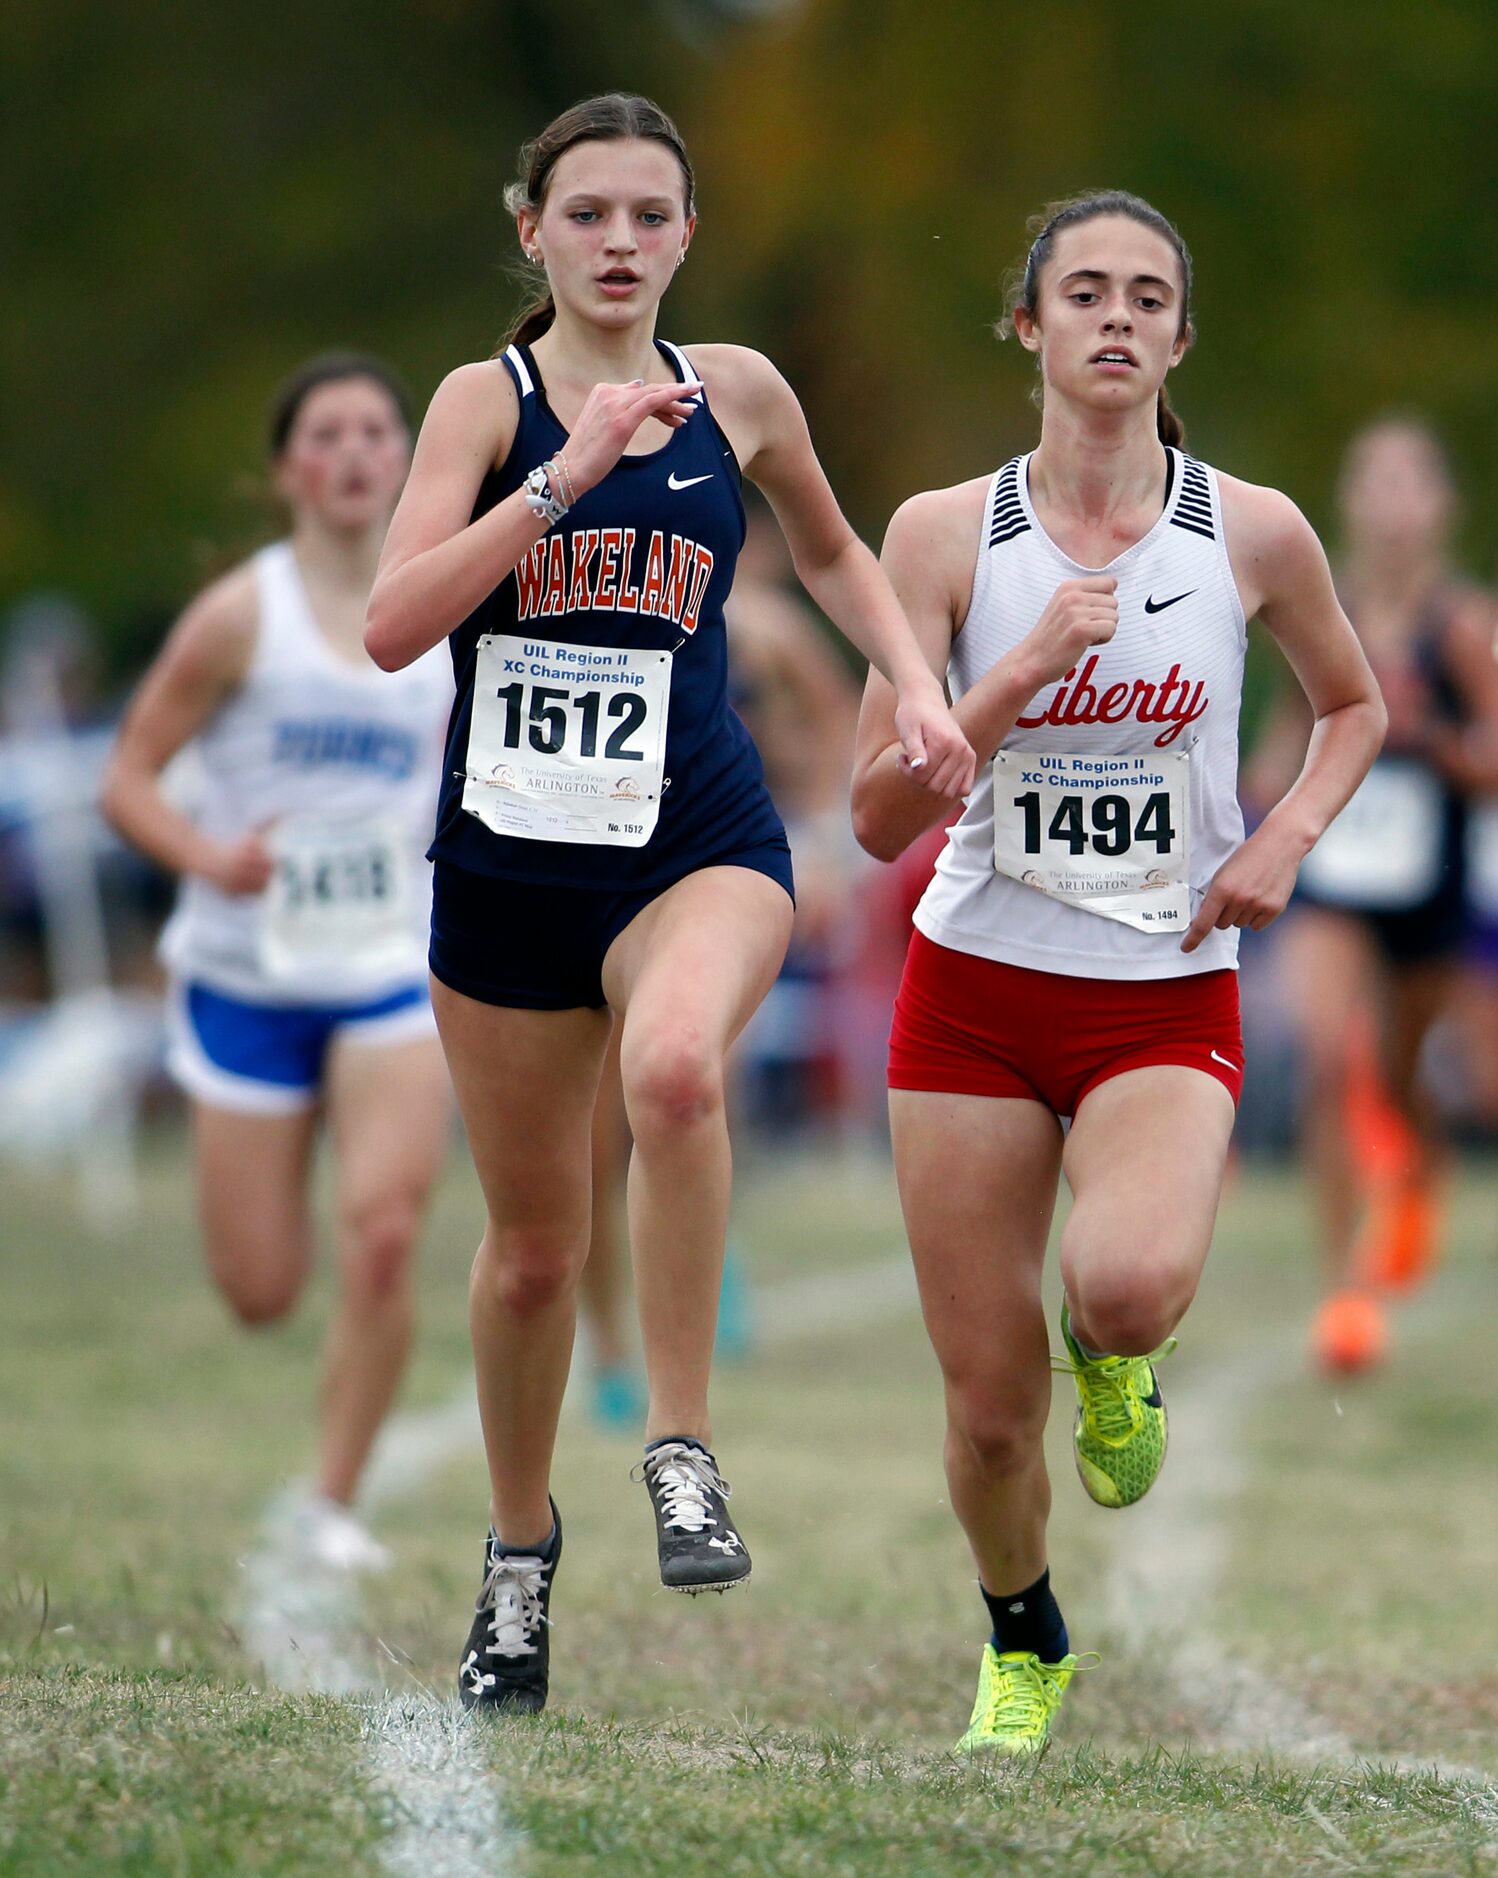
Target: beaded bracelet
[{"x": 541, "y": 498}]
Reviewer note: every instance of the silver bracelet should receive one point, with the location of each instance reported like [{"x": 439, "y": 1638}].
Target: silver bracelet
[{"x": 541, "y": 497}]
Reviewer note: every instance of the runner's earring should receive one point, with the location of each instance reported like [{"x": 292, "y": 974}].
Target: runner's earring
[{"x": 681, "y": 257}]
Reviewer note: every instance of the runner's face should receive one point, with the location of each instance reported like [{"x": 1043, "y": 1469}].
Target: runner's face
[
  {"x": 611, "y": 229},
  {"x": 346, "y": 458},
  {"x": 1395, "y": 494},
  {"x": 1107, "y": 327}
]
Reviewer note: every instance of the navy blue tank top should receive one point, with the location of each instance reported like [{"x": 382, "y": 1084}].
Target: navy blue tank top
[
  {"x": 1445, "y": 709},
  {"x": 645, "y": 560}
]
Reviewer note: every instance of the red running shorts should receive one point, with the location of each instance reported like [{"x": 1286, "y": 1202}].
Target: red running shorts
[{"x": 970, "y": 1026}]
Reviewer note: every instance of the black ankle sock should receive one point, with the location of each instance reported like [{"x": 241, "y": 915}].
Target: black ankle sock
[
  {"x": 496, "y": 1544},
  {"x": 688, "y": 1441},
  {"x": 524, "y": 1552},
  {"x": 1029, "y": 1620}
]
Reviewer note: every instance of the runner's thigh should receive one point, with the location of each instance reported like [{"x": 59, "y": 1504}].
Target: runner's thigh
[
  {"x": 1331, "y": 971},
  {"x": 526, "y": 1082},
  {"x": 978, "y": 1178},
  {"x": 701, "y": 957},
  {"x": 1145, "y": 1160}
]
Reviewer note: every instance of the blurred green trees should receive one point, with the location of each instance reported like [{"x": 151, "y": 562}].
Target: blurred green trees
[{"x": 201, "y": 196}]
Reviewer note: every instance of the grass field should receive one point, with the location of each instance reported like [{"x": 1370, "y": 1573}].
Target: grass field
[{"x": 1298, "y": 1630}]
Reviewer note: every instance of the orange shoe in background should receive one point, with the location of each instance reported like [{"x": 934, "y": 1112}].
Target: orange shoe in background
[
  {"x": 1384, "y": 1148},
  {"x": 1350, "y": 1333},
  {"x": 1403, "y": 1240}
]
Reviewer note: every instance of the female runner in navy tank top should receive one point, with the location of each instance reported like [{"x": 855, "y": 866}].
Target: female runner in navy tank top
[
  {"x": 1371, "y": 957},
  {"x": 605, "y": 843},
  {"x": 1074, "y": 954}
]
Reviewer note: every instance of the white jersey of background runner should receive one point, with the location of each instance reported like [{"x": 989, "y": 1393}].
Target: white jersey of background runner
[
  {"x": 338, "y": 765},
  {"x": 1130, "y": 840}
]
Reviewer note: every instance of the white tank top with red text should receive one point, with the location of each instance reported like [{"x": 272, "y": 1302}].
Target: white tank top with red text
[{"x": 1170, "y": 679}]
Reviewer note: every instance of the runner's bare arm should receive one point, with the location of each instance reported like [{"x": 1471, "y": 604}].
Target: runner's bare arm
[
  {"x": 1283, "y": 577},
  {"x": 769, "y": 432},
  {"x": 930, "y": 551},
  {"x": 201, "y": 666},
  {"x": 438, "y": 562}
]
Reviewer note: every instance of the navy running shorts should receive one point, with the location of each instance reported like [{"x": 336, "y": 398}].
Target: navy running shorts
[{"x": 539, "y": 947}]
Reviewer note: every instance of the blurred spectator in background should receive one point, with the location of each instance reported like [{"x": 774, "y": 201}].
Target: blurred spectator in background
[
  {"x": 1371, "y": 956},
  {"x": 800, "y": 702},
  {"x": 52, "y": 748},
  {"x": 297, "y": 952},
  {"x": 75, "y": 1055}
]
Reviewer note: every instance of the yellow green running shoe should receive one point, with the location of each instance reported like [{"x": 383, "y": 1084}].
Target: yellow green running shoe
[
  {"x": 1018, "y": 1697},
  {"x": 1119, "y": 1434}
]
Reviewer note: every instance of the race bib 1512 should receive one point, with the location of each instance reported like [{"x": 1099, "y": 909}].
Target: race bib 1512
[{"x": 567, "y": 743}]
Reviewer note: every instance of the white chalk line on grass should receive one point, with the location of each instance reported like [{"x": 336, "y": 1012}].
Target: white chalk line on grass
[
  {"x": 1246, "y": 1709},
  {"x": 437, "y": 1797},
  {"x": 1164, "y": 1584},
  {"x": 441, "y": 1800},
  {"x": 443, "y": 1810}
]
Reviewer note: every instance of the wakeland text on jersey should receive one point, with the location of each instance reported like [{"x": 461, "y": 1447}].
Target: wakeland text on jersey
[{"x": 598, "y": 569}]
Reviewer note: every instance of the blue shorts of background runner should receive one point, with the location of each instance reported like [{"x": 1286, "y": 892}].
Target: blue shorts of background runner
[{"x": 270, "y": 1059}]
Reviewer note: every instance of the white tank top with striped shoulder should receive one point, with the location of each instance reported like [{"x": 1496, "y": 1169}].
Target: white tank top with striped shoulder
[
  {"x": 338, "y": 764},
  {"x": 1170, "y": 680}
]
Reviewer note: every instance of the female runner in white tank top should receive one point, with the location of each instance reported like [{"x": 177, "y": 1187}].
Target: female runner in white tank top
[
  {"x": 1074, "y": 955},
  {"x": 297, "y": 952}
]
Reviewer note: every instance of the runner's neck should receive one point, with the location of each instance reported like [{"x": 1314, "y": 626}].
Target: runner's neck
[{"x": 1095, "y": 468}]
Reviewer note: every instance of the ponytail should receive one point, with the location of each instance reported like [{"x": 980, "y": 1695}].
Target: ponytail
[
  {"x": 1172, "y": 431},
  {"x": 529, "y": 323}
]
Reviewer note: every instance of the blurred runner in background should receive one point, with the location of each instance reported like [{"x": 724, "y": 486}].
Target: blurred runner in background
[
  {"x": 799, "y": 702},
  {"x": 1371, "y": 956},
  {"x": 299, "y": 999}
]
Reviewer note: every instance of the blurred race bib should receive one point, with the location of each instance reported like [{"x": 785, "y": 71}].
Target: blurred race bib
[
  {"x": 1482, "y": 861},
  {"x": 1108, "y": 834},
  {"x": 1384, "y": 849},
  {"x": 338, "y": 901}
]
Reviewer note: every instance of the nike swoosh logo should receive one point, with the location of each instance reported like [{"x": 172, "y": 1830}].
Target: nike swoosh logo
[
  {"x": 1152, "y": 605},
  {"x": 673, "y": 481},
  {"x": 1222, "y": 1059}
]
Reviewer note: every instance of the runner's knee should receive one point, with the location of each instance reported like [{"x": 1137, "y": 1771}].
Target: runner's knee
[
  {"x": 997, "y": 1432},
  {"x": 1325, "y": 1069},
  {"x": 671, "y": 1084},
  {"x": 379, "y": 1236},
  {"x": 525, "y": 1271},
  {"x": 259, "y": 1299},
  {"x": 1127, "y": 1308}
]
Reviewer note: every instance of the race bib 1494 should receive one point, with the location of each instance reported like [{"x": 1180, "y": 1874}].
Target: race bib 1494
[{"x": 1108, "y": 834}]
